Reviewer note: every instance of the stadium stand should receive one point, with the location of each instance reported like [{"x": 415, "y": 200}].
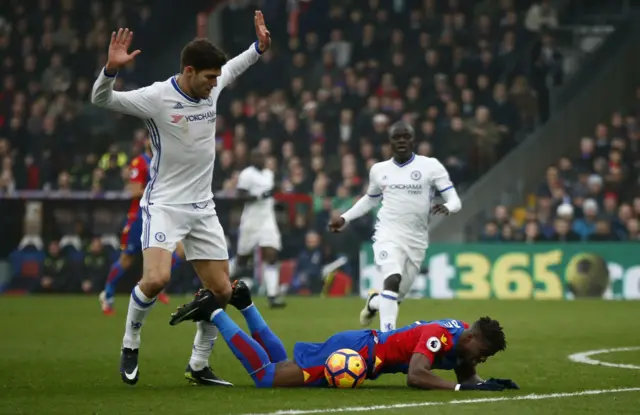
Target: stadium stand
[
  {"x": 592, "y": 197},
  {"x": 319, "y": 103}
]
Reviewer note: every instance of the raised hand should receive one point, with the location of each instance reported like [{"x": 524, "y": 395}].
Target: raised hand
[
  {"x": 263, "y": 35},
  {"x": 119, "y": 55}
]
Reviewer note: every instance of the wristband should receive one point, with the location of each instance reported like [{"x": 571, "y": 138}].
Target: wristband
[{"x": 457, "y": 388}]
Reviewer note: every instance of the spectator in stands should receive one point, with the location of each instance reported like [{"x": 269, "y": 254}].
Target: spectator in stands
[
  {"x": 546, "y": 72},
  {"x": 563, "y": 232},
  {"x": 491, "y": 232},
  {"x": 486, "y": 137},
  {"x": 96, "y": 267},
  {"x": 532, "y": 233},
  {"x": 308, "y": 272},
  {"x": 602, "y": 232},
  {"x": 57, "y": 275},
  {"x": 541, "y": 15},
  {"x": 586, "y": 225}
]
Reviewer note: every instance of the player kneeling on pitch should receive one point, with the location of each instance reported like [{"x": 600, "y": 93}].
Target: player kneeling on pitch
[{"x": 415, "y": 349}]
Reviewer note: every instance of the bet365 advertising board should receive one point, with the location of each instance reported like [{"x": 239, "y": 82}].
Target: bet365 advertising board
[{"x": 520, "y": 271}]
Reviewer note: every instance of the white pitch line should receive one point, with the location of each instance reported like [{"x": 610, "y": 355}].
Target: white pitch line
[
  {"x": 584, "y": 357},
  {"x": 530, "y": 397}
]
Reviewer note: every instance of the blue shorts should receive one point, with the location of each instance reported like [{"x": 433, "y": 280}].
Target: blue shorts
[
  {"x": 131, "y": 237},
  {"x": 311, "y": 357}
]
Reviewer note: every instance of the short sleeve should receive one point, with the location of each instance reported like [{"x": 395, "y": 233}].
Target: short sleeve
[
  {"x": 137, "y": 171},
  {"x": 433, "y": 341},
  {"x": 244, "y": 180},
  {"x": 440, "y": 177},
  {"x": 374, "y": 189}
]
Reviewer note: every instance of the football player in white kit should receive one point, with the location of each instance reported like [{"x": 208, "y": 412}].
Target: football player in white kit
[
  {"x": 406, "y": 184},
  {"x": 177, "y": 204},
  {"x": 258, "y": 226}
]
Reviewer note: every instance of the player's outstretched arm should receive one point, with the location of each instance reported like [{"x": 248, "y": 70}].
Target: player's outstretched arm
[
  {"x": 143, "y": 102},
  {"x": 361, "y": 207},
  {"x": 467, "y": 374},
  {"x": 236, "y": 66},
  {"x": 420, "y": 375}
]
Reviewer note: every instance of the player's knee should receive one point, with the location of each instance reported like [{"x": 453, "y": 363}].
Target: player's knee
[
  {"x": 154, "y": 280},
  {"x": 125, "y": 261},
  {"x": 180, "y": 250},
  {"x": 222, "y": 291},
  {"x": 270, "y": 256},
  {"x": 264, "y": 377},
  {"x": 392, "y": 283}
]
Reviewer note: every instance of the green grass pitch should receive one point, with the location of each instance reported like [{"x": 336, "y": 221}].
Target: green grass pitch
[{"x": 59, "y": 355}]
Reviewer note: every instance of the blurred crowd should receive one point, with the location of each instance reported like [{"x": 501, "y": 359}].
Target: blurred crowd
[
  {"x": 472, "y": 76},
  {"x": 318, "y": 103},
  {"x": 594, "y": 196}
]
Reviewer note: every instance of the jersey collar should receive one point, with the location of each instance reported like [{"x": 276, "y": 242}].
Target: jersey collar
[
  {"x": 174, "y": 82},
  {"x": 413, "y": 156},
  {"x": 146, "y": 157}
]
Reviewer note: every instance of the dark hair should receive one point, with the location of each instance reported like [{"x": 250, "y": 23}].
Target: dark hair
[
  {"x": 402, "y": 125},
  {"x": 491, "y": 333},
  {"x": 201, "y": 54}
]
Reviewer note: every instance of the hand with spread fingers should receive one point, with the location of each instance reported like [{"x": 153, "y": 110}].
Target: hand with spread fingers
[
  {"x": 264, "y": 37},
  {"x": 118, "y": 55}
]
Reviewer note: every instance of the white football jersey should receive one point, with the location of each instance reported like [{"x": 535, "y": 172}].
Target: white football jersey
[
  {"x": 259, "y": 213},
  {"x": 407, "y": 191},
  {"x": 182, "y": 131}
]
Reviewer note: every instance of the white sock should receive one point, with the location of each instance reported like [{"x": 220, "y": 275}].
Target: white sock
[
  {"x": 203, "y": 345},
  {"x": 388, "y": 310},
  {"x": 271, "y": 275},
  {"x": 374, "y": 304},
  {"x": 233, "y": 267},
  {"x": 139, "y": 307}
]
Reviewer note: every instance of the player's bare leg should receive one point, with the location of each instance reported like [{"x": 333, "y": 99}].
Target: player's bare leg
[
  {"x": 176, "y": 259},
  {"x": 155, "y": 276},
  {"x": 271, "y": 275},
  {"x": 116, "y": 272},
  {"x": 214, "y": 275}
]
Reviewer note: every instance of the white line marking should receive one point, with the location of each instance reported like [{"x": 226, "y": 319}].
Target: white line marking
[
  {"x": 530, "y": 397},
  {"x": 584, "y": 357}
]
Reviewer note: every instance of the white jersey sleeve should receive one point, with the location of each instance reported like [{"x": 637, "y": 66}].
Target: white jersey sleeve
[
  {"x": 236, "y": 66},
  {"x": 440, "y": 176},
  {"x": 368, "y": 201},
  {"x": 143, "y": 103},
  {"x": 374, "y": 189},
  {"x": 440, "y": 180},
  {"x": 245, "y": 180}
]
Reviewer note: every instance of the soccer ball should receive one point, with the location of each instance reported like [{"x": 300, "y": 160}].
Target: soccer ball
[{"x": 345, "y": 368}]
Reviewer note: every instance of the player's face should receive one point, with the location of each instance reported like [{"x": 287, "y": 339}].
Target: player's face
[
  {"x": 257, "y": 158},
  {"x": 475, "y": 351},
  {"x": 401, "y": 142},
  {"x": 202, "y": 82}
]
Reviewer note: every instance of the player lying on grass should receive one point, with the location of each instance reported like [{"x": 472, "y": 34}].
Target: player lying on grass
[{"x": 415, "y": 350}]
